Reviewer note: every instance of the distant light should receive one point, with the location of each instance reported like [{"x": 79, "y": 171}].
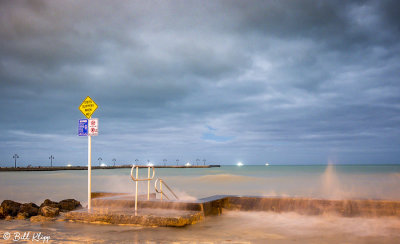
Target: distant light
[
  {"x": 239, "y": 164},
  {"x": 266, "y": 164},
  {"x": 103, "y": 165},
  {"x": 188, "y": 164},
  {"x": 69, "y": 165},
  {"x": 150, "y": 164}
]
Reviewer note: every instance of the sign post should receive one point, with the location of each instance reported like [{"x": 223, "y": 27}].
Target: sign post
[
  {"x": 87, "y": 128},
  {"x": 89, "y": 172}
]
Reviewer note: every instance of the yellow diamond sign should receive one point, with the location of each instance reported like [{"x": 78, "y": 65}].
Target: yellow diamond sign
[{"x": 88, "y": 107}]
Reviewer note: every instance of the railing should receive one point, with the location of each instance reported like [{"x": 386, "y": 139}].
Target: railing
[
  {"x": 161, "y": 190},
  {"x": 136, "y": 179}
]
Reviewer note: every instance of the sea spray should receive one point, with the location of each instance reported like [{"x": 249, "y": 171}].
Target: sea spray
[{"x": 331, "y": 187}]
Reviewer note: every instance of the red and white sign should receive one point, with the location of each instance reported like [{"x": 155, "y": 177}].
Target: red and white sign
[{"x": 93, "y": 129}]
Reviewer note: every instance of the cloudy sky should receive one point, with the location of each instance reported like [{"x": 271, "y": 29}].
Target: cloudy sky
[{"x": 284, "y": 82}]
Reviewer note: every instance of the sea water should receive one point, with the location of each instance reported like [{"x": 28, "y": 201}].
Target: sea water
[
  {"x": 311, "y": 181},
  {"x": 314, "y": 181}
]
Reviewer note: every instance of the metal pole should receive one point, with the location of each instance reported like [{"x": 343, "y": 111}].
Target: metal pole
[
  {"x": 51, "y": 160},
  {"x": 161, "y": 189},
  {"x": 89, "y": 172},
  {"x": 136, "y": 193},
  {"x": 148, "y": 183},
  {"x": 15, "y": 160}
]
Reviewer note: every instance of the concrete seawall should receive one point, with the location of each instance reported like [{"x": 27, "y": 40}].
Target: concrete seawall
[
  {"x": 306, "y": 206},
  {"x": 215, "y": 205},
  {"x": 117, "y": 208}
]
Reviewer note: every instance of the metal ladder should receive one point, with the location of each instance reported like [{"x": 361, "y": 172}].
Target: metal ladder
[
  {"x": 161, "y": 190},
  {"x": 136, "y": 179}
]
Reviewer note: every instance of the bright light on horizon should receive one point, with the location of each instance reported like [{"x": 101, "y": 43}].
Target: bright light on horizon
[
  {"x": 187, "y": 164},
  {"x": 150, "y": 164},
  {"x": 103, "y": 165},
  {"x": 239, "y": 164},
  {"x": 69, "y": 165}
]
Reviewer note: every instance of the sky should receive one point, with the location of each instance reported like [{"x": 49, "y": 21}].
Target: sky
[{"x": 283, "y": 82}]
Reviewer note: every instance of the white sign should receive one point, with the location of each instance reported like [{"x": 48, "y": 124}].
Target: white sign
[{"x": 93, "y": 129}]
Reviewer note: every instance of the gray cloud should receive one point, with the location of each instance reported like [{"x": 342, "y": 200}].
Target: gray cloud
[{"x": 279, "y": 81}]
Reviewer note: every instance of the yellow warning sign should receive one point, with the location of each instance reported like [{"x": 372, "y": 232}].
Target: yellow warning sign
[{"x": 88, "y": 107}]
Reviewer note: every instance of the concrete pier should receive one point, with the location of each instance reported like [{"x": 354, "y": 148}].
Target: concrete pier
[{"x": 101, "y": 167}]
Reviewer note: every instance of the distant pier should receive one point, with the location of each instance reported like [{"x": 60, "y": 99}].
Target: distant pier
[{"x": 56, "y": 168}]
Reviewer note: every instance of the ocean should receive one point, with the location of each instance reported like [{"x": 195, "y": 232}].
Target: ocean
[{"x": 306, "y": 181}]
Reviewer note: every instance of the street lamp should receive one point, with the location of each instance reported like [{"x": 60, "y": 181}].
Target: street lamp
[
  {"x": 197, "y": 161},
  {"x": 165, "y": 162},
  {"x": 204, "y": 161},
  {"x": 15, "y": 160},
  {"x": 177, "y": 162},
  {"x": 114, "y": 160},
  {"x": 51, "y": 160},
  {"x": 99, "y": 159},
  {"x": 136, "y": 160}
]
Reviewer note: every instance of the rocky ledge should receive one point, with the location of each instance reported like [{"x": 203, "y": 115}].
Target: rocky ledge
[{"x": 48, "y": 210}]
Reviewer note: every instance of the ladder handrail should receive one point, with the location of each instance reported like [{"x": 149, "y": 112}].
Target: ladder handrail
[
  {"x": 136, "y": 179},
  {"x": 162, "y": 182}
]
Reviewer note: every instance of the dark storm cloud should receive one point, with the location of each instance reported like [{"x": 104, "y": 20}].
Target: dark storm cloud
[{"x": 286, "y": 81}]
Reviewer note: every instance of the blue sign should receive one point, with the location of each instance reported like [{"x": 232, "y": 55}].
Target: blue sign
[{"x": 83, "y": 127}]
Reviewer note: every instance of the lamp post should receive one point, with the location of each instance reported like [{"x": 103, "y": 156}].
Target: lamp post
[
  {"x": 165, "y": 161},
  {"x": 197, "y": 161},
  {"x": 204, "y": 161},
  {"x": 99, "y": 159},
  {"x": 148, "y": 162},
  {"x": 114, "y": 160},
  {"x": 136, "y": 160},
  {"x": 15, "y": 160},
  {"x": 177, "y": 162},
  {"x": 51, "y": 160}
]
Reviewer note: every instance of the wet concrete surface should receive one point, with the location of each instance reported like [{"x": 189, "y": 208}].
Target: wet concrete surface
[{"x": 144, "y": 217}]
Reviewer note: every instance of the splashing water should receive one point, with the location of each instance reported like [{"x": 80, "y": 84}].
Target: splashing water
[{"x": 331, "y": 187}]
